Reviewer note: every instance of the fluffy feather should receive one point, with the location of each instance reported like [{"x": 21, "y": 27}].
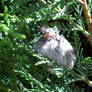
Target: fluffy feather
[{"x": 56, "y": 49}]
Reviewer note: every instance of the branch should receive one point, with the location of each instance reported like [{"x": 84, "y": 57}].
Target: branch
[
  {"x": 88, "y": 17},
  {"x": 86, "y": 33},
  {"x": 87, "y": 81}
]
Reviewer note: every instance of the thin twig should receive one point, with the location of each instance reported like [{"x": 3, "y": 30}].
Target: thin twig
[
  {"x": 88, "y": 17},
  {"x": 87, "y": 81}
]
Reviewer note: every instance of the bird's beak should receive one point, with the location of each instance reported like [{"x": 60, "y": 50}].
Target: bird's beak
[{"x": 48, "y": 35}]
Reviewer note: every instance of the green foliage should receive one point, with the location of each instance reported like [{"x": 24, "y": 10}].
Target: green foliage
[{"x": 21, "y": 68}]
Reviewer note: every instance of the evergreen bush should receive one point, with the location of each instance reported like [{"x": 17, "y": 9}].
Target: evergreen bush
[{"x": 21, "y": 68}]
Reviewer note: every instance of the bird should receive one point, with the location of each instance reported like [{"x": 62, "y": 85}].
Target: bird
[{"x": 55, "y": 47}]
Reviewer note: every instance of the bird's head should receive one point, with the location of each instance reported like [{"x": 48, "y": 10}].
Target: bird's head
[{"x": 48, "y": 32}]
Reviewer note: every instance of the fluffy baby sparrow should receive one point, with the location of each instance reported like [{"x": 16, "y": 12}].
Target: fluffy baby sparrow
[{"x": 55, "y": 47}]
